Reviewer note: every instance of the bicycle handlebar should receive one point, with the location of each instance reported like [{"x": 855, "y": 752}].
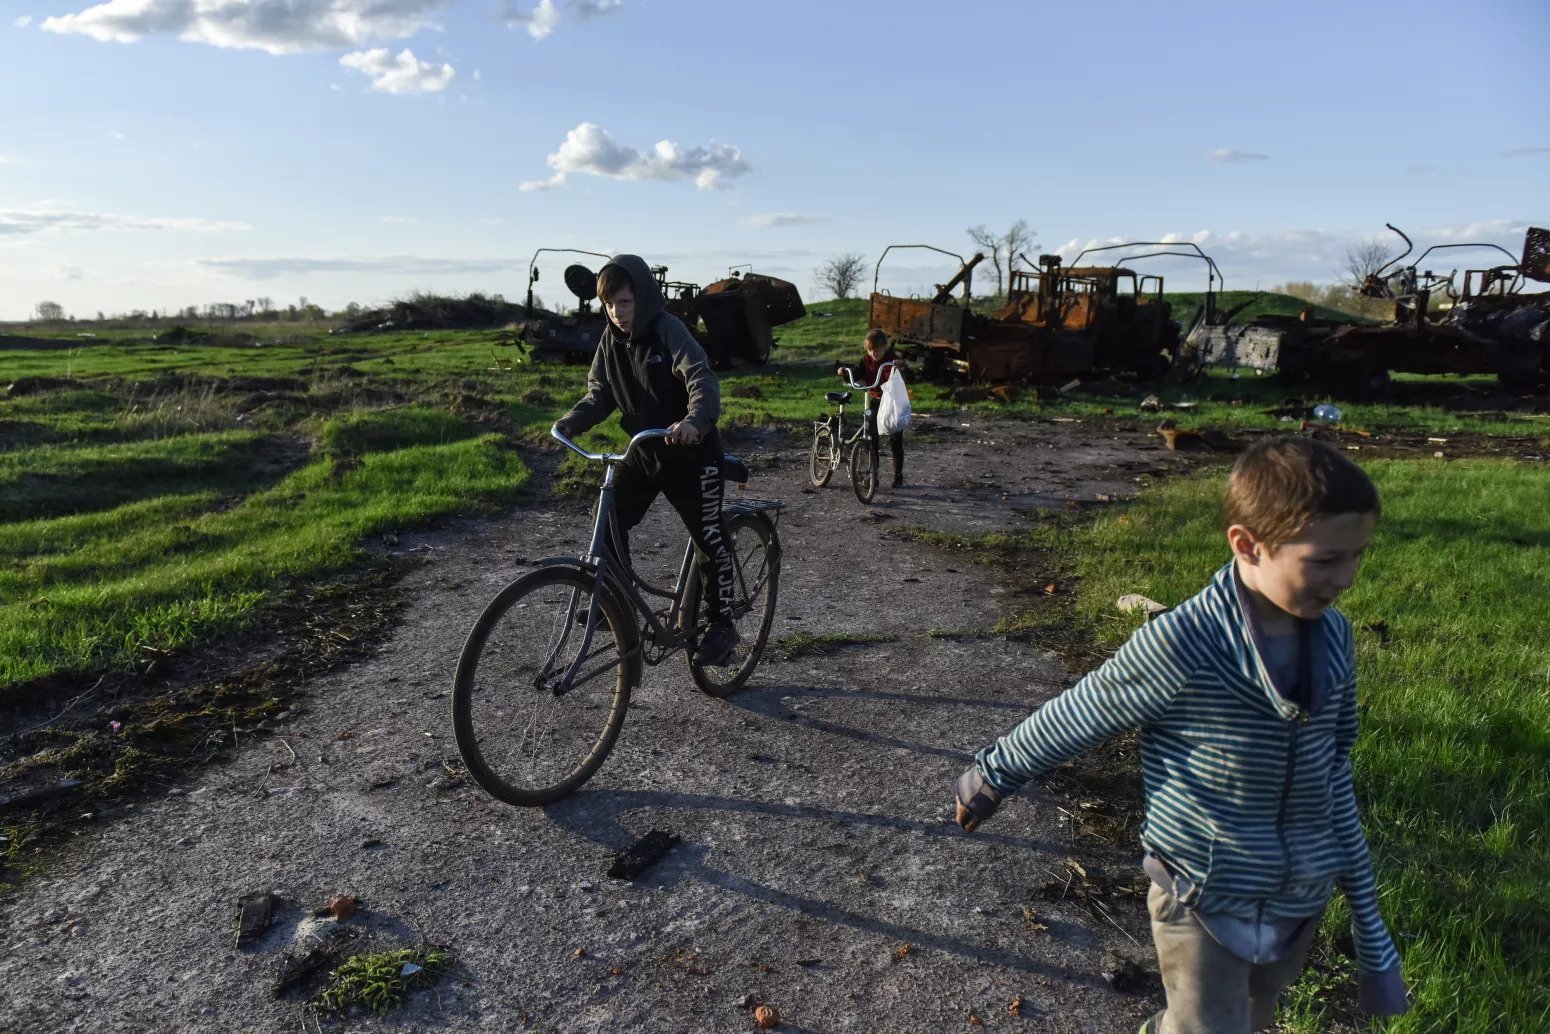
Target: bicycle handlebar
[
  {"x": 607, "y": 457},
  {"x": 850, "y": 378}
]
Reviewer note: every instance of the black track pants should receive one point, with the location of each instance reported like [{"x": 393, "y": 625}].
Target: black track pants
[{"x": 695, "y": 491}]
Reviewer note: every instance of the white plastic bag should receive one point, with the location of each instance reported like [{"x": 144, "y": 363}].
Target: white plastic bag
[{"x": 893, "y": 411}]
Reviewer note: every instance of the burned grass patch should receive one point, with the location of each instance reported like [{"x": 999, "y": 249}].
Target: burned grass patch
[
  {"x": 58, "y": 481},
  {"x": 74, "y": 745},
  {"x": 1038, "y": 572}
]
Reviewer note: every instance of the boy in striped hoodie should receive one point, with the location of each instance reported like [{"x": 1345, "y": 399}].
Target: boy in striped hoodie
[{"x": 1245, "y": 698}]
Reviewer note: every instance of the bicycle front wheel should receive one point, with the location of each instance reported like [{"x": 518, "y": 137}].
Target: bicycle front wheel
[
  {"x": 542, "y": 686},
  {"x": 863, "y": 468},
  {"x": 824, "y": 457},
  {"x": 756, "y": 580}
]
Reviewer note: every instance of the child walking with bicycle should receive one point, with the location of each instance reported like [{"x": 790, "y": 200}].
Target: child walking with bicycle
[
  {"x": 1245, "y": 697},
  {"x": 876, "y": 352},
  {"x": 649, "y": 367}
]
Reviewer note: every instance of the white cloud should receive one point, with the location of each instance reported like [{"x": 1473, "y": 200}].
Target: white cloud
[
  {"x": 1524, "y": 152},
  {"x": 1493, "y": 230},
  {"x": 1232, "y": 154},
  {"x": 593, "y": 8},
  {"x": 276, "y": 26},
  {"x": 766, "y": 220},
  {"x": 401, "y": 74},
  {"x": 590, "y": 149},
  {"x": 540, "y": 22},
  {"x": 396, "y": 219},
  {"x": 545, "y": 16},
  {"x": 116, "y": 135},
  {"x": 5, "y": 159},
  {"x": 22, "y": 22},
  {"x": 22, "y": 222},
  {"x": 72, "y": 273},
  {"x": 269, "y": 268},
  {"x": 1250, "y": 260}
]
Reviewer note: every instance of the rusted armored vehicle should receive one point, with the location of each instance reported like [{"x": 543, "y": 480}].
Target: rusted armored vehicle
[
  {"x": 731, "y": 318},
  {"x": 740, "y": 313},
  {"x": 1487, "y": 324},
  {"x": 1058, "y": 322}
]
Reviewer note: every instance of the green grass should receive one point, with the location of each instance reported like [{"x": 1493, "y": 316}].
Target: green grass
[
  {"x": 1452, "y": 760},
  {"x": 831, "y": 329},
  {"x": 806, "y": 644},
  {"x": 58, "y": 480},
  {"x": 177, "y": 569},
  {"x": 378, "y": 980},
  {"x": 139, "y": 499}
]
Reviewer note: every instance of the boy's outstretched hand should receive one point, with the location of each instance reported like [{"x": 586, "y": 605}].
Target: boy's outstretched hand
[{"x": 976, "y": 799}]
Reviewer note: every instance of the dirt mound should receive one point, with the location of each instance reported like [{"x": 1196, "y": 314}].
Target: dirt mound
[
  {"x": 33, "y": 385},
  {"x": 436, "y": 312}
]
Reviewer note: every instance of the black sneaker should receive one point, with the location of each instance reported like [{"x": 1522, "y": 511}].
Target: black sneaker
[
  {"x": 898, "y": 481},
  {"x": 718, "y": 643}
]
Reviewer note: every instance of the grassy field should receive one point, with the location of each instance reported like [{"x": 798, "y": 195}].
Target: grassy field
[{"x": 155, "y": 493}]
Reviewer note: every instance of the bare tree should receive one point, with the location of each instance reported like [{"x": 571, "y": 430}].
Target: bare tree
[
  {"x": 49, "y": 311},
  {"x": 1002, "y": 248},
  {"x": 841, "y": 275},
  {"x": 1363, "y": 261}
]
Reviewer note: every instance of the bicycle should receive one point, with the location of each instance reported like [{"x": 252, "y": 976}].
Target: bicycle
[
  {"x": 545, "y": 676},
  {"x": 829, "y": 441}
]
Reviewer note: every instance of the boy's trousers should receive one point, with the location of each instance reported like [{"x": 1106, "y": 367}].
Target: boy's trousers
[
  {"x": 695, "y": 489},
  {"x": 1210, "y": 990}
]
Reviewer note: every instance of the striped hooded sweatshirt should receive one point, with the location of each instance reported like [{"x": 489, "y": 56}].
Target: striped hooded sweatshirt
[{"x": 1249, "y": 798}]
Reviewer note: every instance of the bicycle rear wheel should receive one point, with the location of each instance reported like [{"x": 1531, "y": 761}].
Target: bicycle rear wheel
[
  {"x": 863, "y": 468},
  {"x": 537, "y": 703},
  {"x": 823, "y": 458},
  {"x": 756, "y": 557}
]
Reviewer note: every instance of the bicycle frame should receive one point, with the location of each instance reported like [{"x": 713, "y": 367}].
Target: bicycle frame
[
  {"x": 865, "y": 430},
  {"x": 677, "y": 629}
]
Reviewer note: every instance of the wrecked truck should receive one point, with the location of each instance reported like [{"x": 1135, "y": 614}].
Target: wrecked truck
[
  {"x": 732, "y": 319},
  {"x": 1057, "y": 322},
  {"x": 1485, "y": 324}
]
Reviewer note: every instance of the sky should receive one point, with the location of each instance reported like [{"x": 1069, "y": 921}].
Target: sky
[{"x": 157, "y": 154}]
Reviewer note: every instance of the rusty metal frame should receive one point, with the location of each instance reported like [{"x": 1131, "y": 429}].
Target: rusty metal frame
[
  {"x": 1213, "y": 272},
  {"x": 532, "y": 268},
  {"x": 877, "y": 269}
]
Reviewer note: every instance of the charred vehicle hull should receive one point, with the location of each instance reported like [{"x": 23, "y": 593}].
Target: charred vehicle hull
[
  {"x": 1491, "y": 327},
  {"x": 732, "y": 319},
  {"x": 740, "y": 313}
]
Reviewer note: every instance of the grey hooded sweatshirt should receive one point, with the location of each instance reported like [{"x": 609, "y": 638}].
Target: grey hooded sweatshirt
[{"x": 655, "y": 375}]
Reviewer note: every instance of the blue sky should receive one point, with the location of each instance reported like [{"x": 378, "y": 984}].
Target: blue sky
[{"x": 163, "y": 153}]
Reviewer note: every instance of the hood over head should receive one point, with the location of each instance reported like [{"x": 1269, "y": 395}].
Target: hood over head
[{"x": 648, "y": 293}]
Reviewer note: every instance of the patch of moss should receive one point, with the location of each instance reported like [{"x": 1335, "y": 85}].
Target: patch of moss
[
  {"x": 805, "y": 644},
  {"x": 379, "y": 980}
]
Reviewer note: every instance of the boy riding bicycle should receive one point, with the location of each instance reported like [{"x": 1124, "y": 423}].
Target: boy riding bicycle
[{"x": 649, "y": 368}]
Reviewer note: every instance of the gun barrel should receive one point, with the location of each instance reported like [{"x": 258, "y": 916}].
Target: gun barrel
[{"x": 945, "y": 291}]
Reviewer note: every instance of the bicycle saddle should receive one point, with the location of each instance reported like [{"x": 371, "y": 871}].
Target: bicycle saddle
[
  {"x": 837, "y": 396},
  {"x": 734, "y": 470}
]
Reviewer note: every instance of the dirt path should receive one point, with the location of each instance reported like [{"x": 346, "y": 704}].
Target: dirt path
[{"x": 819, "y": 870}]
